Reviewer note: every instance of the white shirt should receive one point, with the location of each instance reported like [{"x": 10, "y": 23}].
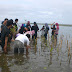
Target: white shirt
[{"x": 23, "y": 38}]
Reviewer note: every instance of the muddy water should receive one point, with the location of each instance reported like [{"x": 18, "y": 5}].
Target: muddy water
[{"x": 44, "y": 56}]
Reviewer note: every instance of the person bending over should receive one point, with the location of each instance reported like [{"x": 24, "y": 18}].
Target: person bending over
[{"x": 20, "y": 42}]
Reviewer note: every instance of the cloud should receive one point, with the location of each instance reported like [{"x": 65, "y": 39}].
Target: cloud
[
  {"x": 46, "y": 12},
  {"x": 37, "y": 10}
]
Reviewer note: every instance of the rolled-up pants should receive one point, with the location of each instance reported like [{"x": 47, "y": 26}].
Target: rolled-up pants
[{"x": 18, "y": 47}]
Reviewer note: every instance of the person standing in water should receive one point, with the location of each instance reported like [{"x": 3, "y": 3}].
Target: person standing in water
[
  {"x": 5, "y": 34},
  {"x": 42, "y": 31},
  {"x": 35, "y": 28},
  {"x": 28, "y": 26},
  {"x": 57, "y": 30},
  {"x": 53, "y": 30},
  {"x": 46, "y": 30}
]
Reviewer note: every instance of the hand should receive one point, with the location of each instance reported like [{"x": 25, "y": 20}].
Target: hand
[
  {"x": 28, "y": 46},
  {"x": 29, "y": 26},
  {"x": 12, "y": 40},
  {"x": 25, "y": 28}
]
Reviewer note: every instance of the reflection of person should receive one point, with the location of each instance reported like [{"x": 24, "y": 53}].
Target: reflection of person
[
  {"x": 19, "y": 43},
  {"x": 19, "y": 59},
  {"x": 50, "y": 61},
  {"x": 4, "y": 63}
]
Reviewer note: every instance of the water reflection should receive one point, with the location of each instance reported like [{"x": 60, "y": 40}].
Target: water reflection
[
  {"x": 50, "y": 61},
  {"x": 7, "y": 61},
  {"x": 27, "y": 53},
  {"x": 19, "y": 59},
  {"x": 43, "y": 53},
  {"x": 4, "y": 63}
]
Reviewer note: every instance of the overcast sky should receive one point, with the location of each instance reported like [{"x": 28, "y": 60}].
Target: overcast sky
[{"x": 41, "y": 11}]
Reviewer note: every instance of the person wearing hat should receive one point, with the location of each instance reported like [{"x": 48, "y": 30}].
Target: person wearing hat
[
  {"x": 57, "y": 28},
  {"x": 23, "y": 29},
  {"x": 5, "y": 35}
]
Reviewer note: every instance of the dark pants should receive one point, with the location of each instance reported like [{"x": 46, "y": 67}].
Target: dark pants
[
  {"x": 35, "y": 35},
  {"x": 0, "y": 35},
  {"x": 19, "y": 50},
  {"x": 45, "y": 35},
  {"x": 2, "y": 45},
  {"x": 18, "y": 47}
]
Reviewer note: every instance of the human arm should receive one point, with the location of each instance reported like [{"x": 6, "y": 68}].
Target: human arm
[
  {"x": 28, "y": 46},
  {"x": 51, "y": 26},
  {"x": 37, "y": 28},
  {"x": 19, "y": 30},
  {"x": 12, "y": 40},
  {"x": 25, "y": 28}
]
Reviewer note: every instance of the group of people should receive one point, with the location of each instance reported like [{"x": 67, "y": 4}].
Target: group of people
[
  {"x": 21, "y": 38},
  {"x": 6, "y": 34},
  {"x": 54, "y": 32},
  {"x": 10, "y": 33}
]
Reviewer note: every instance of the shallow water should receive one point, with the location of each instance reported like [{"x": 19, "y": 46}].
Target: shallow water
[{"x": 44, "y": 56}]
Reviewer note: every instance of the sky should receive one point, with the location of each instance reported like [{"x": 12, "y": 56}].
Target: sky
[{"x": 41, "y": 11}]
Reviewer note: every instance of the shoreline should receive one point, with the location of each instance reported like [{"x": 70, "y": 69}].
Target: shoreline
[{"x": 50, "y": 24}]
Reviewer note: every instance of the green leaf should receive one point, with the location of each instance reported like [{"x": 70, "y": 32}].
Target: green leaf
[
  {"x": 45, "y": 68},
  {"x": 51, "y": 49}
]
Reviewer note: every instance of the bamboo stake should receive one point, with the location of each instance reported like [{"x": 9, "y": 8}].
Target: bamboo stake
[
  {"x": 69, "y": 50},
  {"x": 67, "y": 43}
]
